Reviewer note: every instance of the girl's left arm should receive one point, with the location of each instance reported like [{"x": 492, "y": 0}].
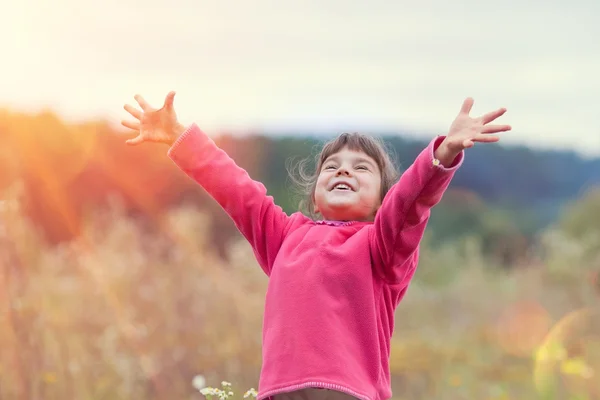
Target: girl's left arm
[{"x": 401, "y": 221}]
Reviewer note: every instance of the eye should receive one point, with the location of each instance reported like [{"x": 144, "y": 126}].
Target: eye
[
  {"x": 362, "y": 167},
  {"x": 330, "y": 166}
]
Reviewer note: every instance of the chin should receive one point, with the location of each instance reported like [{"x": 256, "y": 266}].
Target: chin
[
  {"x": 345, "y": 209},
  {"x": 342, "y": 214},
  {"x": 341, "y": 207}
]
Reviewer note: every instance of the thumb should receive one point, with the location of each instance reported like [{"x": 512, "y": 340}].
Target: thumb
[
  {"x": 169, "y": 100},
  {"x": 468, "y": 143},
  {"x": 135, "y": 141}
]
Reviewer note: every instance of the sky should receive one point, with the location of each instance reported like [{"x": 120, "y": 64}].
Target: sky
[{"x": 313, "y": 66}]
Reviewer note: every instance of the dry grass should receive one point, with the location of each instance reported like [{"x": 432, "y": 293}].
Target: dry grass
[{"x": 125, "y": 314}]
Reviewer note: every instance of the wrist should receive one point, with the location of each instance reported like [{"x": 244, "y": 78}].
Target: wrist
[
  {"x": 446, "y": 154},
  {"x": 176, "y": 133}
]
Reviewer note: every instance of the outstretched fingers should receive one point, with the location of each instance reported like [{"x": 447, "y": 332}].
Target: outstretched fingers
[
  {"x": 482, "y": 138},
  {"x": 135, "y": 141},
  {"x": 135, "y": 125},
  {"x": 169, "y": 100},
  {"x": 143, "y": 103},
  {"x": 491, "y": 116},
  {"x": 467, "y": 106},
  {"x": 495, "y": 128},
  {"x": 137, "y": 114}
]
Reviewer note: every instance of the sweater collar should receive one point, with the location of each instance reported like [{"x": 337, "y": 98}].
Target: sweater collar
[{"x": 339, "y": 223}]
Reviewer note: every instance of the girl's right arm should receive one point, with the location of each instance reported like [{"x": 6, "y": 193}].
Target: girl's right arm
[
  {"x": 258, "y": 218},
  {"x": 254, "y": 213}
]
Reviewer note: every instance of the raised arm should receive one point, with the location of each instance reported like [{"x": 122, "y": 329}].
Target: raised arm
[
  {"x": 401, "y": 221},
  {"x": 255, "y": 214}
]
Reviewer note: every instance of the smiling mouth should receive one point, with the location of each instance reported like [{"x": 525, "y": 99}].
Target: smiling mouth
[{"x": 342, "y": 187}]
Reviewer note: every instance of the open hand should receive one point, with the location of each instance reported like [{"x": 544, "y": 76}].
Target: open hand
[
  {"x": 154, "y": 125},
  {"x": 465, "y": 130}
]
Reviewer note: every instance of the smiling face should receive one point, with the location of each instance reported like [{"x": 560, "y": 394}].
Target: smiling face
[{"x": 348, "y": 187}]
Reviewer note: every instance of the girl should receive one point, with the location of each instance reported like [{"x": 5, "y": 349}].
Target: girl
[{"x": 335, "y": 282}]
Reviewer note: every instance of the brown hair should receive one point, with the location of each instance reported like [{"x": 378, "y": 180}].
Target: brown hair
[{"x": 306, "y": 177}]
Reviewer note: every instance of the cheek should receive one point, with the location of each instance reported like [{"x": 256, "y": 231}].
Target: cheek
[
  {"x": 369, "y": 183},
  {"x": 321, "y": 184},
  {"x": 374, "y": 189},
  {"x": 319, "y": 189}
]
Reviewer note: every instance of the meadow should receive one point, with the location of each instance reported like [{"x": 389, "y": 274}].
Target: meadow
[
  {"x": 120, "y": 280},
  {"x": 125, "y": 312}
]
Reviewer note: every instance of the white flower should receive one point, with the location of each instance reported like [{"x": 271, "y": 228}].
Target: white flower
[
  {"x": 199, "y": 382},
  {"x": 251, "y": 392},
  {"x": 208, "y": 391},
  {"x": 225, "y": 384}
]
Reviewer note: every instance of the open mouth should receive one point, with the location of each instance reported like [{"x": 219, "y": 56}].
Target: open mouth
[{"x": 342, "y": 187}]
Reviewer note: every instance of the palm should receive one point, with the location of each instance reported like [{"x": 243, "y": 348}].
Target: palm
[
  {"x": 466, "y": 130},
  {"x": 152, "y": 125}
]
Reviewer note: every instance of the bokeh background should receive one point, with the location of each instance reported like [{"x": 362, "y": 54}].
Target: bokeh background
[{"x": 121, "y": 279}]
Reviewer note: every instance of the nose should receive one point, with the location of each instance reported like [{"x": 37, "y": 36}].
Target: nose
[{"x": 342, "y": 171}]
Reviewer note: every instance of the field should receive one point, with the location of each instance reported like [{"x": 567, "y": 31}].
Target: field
[{"x": 126, "y": 312}]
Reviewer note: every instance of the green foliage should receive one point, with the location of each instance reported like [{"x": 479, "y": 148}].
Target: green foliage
[{"x": 581, "y": 220}]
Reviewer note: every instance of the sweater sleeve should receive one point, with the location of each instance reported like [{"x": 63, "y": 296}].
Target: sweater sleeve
[
  {"x": 255, "y": 214},
  {"x": 401, "y": 221}
]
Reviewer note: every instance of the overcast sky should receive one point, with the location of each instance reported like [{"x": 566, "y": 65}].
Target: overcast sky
[{"x": 312, "y": 65}]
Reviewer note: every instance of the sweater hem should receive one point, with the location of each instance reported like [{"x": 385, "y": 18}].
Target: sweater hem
[{"x": 268, "y": 394}]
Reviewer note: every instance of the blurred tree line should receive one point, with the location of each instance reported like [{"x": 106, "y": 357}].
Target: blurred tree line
[{"x": 502, "y": 195}]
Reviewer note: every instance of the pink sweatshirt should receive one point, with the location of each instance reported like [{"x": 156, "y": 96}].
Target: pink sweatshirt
[{"x": 333, "y": 286}]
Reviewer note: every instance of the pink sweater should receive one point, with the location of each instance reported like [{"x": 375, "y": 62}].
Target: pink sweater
[{"x": 333, "y": 286}]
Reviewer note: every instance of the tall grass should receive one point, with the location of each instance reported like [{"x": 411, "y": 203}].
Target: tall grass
[{"x": 124, "y": 313}]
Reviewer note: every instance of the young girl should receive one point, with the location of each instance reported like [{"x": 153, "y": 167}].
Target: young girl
[{"x": 335, "y": 282}]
